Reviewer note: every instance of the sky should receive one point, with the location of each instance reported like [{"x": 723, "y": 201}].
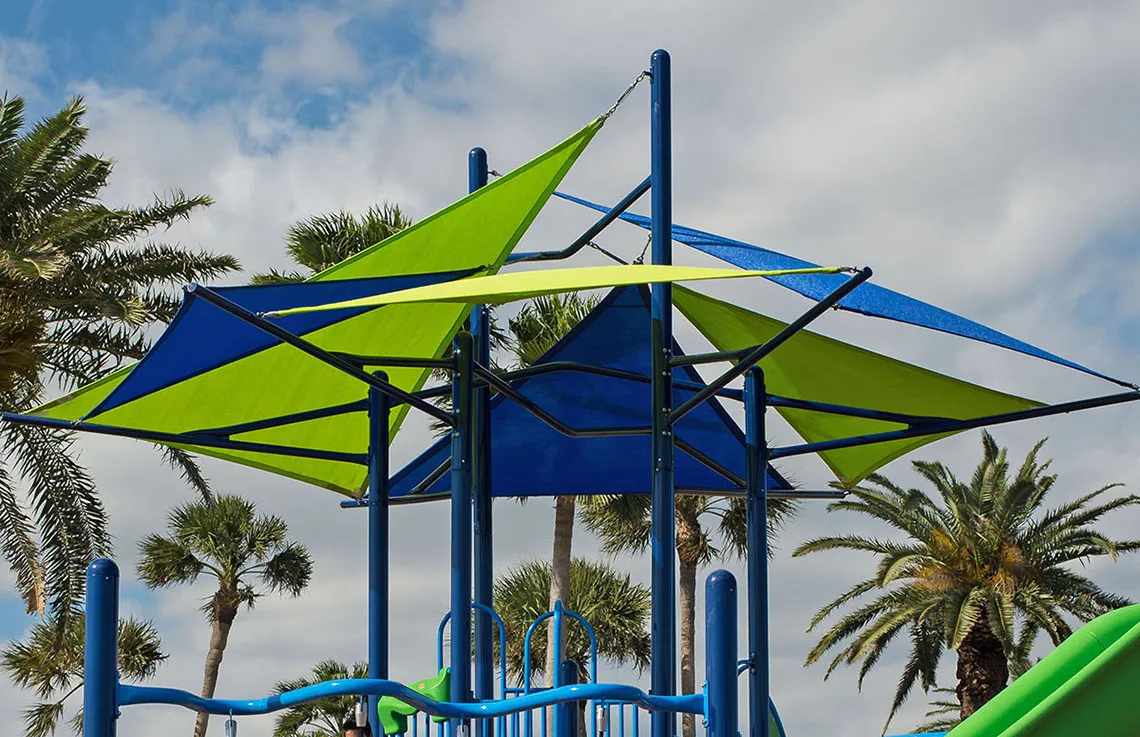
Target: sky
[{"x": 981, "y": 156}]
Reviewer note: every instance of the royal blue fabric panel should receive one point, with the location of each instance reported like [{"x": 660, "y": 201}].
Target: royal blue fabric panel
[
  {"x": 868, "y": 299},
  {"x": 528, "y": 458},
  {"x": 202, "y": 337}
]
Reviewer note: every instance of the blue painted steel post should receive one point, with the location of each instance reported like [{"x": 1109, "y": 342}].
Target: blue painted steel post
[
  {"x": 484, "y": 541},
  {"x": 101, "y": 649},
  {"x": 566, "y": 714},
  {"x": 378, "y": 573},
  {"x": 757, "y": 471},
  {"x": 721, "y": 653},
  {"x": 663, "y": 675},
  {"x": 461, "y": 480}
]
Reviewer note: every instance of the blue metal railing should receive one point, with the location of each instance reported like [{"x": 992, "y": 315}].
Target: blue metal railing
[{"x": 104, "y": 695}]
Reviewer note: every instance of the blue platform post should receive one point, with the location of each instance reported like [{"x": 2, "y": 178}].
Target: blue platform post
[
  {"x": 484, "y": 541},
  {"x": 663, "y": 674},
  {"x": 756, "y": 445},
  {"x": 721, "y": 653},
  {"x": 566, "y": 714},
  {"x": 378, "y": 573},
  {"x": 461, "y": 482},
  {"x": 101, "y": 649}
]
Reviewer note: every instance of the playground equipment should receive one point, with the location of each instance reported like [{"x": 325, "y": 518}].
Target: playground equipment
[{"x": 288, "y": 378}]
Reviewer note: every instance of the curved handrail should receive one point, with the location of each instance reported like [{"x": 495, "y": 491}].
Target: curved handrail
[
  {"x": 130, "y": 695},
  {"x": 558, "y": 610},
  {"x": 502, "y": 643}
]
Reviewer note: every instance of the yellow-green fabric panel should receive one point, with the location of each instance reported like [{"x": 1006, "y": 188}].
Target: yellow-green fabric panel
[
  {"x": 503, "y": 288},
  {"x": 480, "y": 230},
  {"x": 821, "y": 369}
]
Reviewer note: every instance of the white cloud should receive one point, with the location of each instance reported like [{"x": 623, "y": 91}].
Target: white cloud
[{"x": 974, "y": 154}]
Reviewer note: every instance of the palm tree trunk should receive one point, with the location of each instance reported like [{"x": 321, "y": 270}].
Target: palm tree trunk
[
  {"x": 982, "y": 668},
  {"x": 559, "y": 582},
  {"x": 688, "y": 538},
  {"x": 220, "y": 635}
]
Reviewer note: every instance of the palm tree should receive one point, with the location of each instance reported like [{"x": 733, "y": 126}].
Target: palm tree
[
  {"x": 324, "y": 717},
  {"x": 321, "y": 241},
  {"x": 615, "y": 607},
  {"x": 539, "y": 325},
  {"x": 980, "y": 568},
  {"x": 227, "y": 540},
  {"x": 624, "y": 525},
  {"x": 52, "y": 666},
  {"x": 78, "y": 294}
]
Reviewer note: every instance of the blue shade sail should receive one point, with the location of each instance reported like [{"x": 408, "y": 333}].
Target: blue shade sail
[
  {"x": 531, "y": 459},
  {"x": 868, "y": 299},
  {"x": 202, "y": 337}
]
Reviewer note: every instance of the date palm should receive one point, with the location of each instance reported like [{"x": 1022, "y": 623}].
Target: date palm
[
  {"x": 623, "y": 523},
  {"x": 979, "y": 567},
  {"x": 246, "y": 554},
  {"x": 52, "y": 666},
  {"x": 323, "y": 717},
  {"x": 79, "y": 289}
]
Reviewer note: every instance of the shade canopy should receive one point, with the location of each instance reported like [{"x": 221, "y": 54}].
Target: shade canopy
[
  {"x": 868, "y": 299},
  {"x": 210, "y": 371},
  {"x": 502, "y": 288},
  {"x": 528, "y": 458},
  {"x": 816, "y": 368}
]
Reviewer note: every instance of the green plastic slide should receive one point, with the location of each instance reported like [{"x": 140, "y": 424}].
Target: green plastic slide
[
  {"x": 1087, "y": 686},
  {"x": 394, "y": 713}
]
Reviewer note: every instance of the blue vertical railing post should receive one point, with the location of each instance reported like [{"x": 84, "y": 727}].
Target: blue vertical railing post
[
  {"x": 663, "y": 675},
  {"x": 566, "y": 714},
  {"x": 461, "y": 479},
  {"x": 755, "y": 402},
  {"x": 721, "y": 654},
  {"x": 378, "y": 574},
  {"x": 484, "y": 541},
  {"x": 101, "y": 649}
]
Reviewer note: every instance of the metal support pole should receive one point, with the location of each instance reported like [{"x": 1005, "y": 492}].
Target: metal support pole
[
  {"x": 566, "y": 714},
  {"x": 481, "y": 482},
  {"x": 101, "y": 649},
  {"x": 720, "y": 653},
  {"x": 461, "y": 480},
  {"x": 757, "y": 505},
  {"x": 663, "y": 675},
  {"x": 379, "y": 405}
]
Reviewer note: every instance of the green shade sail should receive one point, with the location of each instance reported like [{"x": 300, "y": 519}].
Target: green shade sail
[
  {"x": 477, "y": 232},
  {"x": 503, "y": 288},
  {"x": 820, "y": 369}
]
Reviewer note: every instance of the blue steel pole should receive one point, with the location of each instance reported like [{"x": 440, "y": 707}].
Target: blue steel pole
[
  {"x": 484, "y": 541},
  {"x": 663, "y": 675},
  {"x": 720, "y": 653},
  {"x": 757, "y": 505},
  {"x": 379, "y": 405},
  {"x": 461, "y": 480},
  {"x": 101, "y": 649},
  {"x": 566, "y": 714}
]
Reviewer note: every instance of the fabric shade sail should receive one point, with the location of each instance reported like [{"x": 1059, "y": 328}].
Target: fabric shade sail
[
  {"x": 816, "y": 368},
  {"x": 531, "y": 459},
  {"x": 210, "y": 370}
]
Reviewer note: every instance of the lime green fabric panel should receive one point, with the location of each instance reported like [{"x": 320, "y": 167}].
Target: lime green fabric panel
[
  {"x": 479, "y": 230},
  {"x": 503, "y": 288},
  {"x": 813, "y": 367}
]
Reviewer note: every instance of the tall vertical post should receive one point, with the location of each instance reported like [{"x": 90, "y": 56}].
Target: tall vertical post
[
  {"x": 755, "y": 402},
  {"x": 378, "y": 572},
  {"x": 663, "y": 675},
  {"x": 461, "y": 482},
  {"x": 101, "y": 649},
  {"x": 484, "y": 541},
  {"x": 566, "y": 713},
  {"x": 720, "y": 653}
]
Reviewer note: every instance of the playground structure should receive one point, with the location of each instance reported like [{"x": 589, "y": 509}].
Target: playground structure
[{"x": 411, "y": 300}]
